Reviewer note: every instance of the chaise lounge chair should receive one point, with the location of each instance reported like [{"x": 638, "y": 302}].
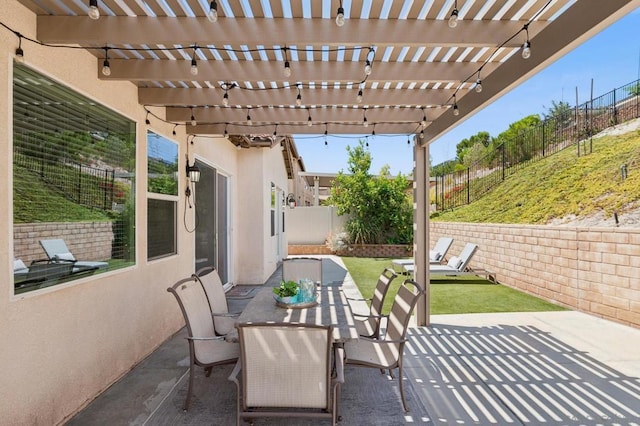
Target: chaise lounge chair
[
  {"x": 436, "y": 256},
  {"x": 57, "y": 250},
  {"x": 456, "y": 265}
]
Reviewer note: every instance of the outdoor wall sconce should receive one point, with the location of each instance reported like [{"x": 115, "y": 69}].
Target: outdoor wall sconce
[
  {"x": 193, "y": 172},
  {"x": 291, "y": 200}
]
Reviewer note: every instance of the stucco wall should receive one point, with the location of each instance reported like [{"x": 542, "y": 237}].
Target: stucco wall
[
  {"x": 594, "y": 270},
  {"x": 61, "y": 346},
  {"x": 312, "y": 225}
]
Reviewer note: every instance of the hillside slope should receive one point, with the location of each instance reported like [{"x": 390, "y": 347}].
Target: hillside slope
[{"x": 565, "y": 189}]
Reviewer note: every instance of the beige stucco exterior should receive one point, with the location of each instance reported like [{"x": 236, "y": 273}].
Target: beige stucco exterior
[{"x": 62, "y": 346}]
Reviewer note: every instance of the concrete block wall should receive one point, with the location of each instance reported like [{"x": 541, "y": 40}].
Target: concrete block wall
[
  {"x": 593, "y": 270},
  {"x": 86, "y": 240}
]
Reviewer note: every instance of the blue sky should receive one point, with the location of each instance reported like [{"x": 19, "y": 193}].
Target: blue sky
[{"x": 611, "y": 58}]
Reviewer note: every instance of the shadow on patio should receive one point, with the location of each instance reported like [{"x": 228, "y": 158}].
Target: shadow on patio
[{"x": 553, "y": 368}]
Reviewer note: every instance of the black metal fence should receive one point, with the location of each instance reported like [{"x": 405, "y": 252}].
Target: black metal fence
[
  {"x": 82, "y": 184},
  {"x": 573, "y": 128}
]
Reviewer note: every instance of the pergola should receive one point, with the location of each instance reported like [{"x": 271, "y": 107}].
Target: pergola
[{"x": 249, "y": 67}]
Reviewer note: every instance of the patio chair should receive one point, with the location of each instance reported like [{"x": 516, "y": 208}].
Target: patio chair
[
  {"x": 223, "y": 321},
  {"x": 57, "y": 250},
  {"x": 286, "y": 371},
  {"x": 387, "y": 353},
  {"x": 205, "y": 348},
  {"x": 296, "y": 268},
  {"x": 369, "y": 325},
  {"x": 457, "y": 264},
  {"x": 436, "y": 256}
]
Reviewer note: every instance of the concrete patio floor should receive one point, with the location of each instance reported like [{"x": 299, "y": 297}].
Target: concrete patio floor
[{"x": 552, "y": 368}]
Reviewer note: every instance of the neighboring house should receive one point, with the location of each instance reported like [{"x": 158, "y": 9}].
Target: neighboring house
[{"x": 65, "y": 340}]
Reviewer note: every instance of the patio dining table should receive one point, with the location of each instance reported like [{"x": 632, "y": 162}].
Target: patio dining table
[{"x": 332, "y": 309}]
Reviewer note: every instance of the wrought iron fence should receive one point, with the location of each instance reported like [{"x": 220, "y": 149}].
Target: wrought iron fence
[
  {"x": 82, "y": 184},
  {"x": 574, "y": 128}
]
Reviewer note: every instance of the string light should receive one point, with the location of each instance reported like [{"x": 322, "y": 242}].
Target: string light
[
  {"x": 147, "y": 122},
  {"x": 174, "y": 128},
  {"x": 225, "y": 98},
  {"x": 421, "y": 134},
  {"x": 359, "y": 97},
  {"x": 424, "y": 119},
  {"x": 367, "y": 67},
  {"x": 19, "y": 52},
  {"x": 193, "y": 118},
  {"x": 365, "y": 122},
  {"x": 226, "y": 134},
  {"x": 453, "y": 19},
  {"x": 275, "y": 131},
  {"x": 309, "y": 121},
  {"x": 106, "y": 69},
  {"x": 526, "y": 47},
  {"x": 373, "y": 132},
  {"x": 325, "y": 135},
  {"x": 249, "y": 122},
  {"x": 287, "y": 66},
  {"x": 478, "y": 83},
  {"x": 299, "y": 97},
  {"x": 456, "y": 111},
  {"x": 194, "y": 64},
  {"x": 94, "y": 12},
  {"x": 340, "y": 15},
  {"x": 212, "y": 16}
]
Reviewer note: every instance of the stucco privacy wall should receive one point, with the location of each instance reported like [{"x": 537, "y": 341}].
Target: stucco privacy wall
[
  {"x": 312, "y": 225},
  {"x": 594, "y": 270},
  {"x": 62, "y": 346}
]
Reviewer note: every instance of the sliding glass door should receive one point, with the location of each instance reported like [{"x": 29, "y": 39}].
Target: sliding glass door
[{"x": 212, "y": 216}]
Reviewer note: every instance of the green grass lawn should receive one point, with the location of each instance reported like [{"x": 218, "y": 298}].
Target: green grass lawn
[{"x": 460, "y": 295}]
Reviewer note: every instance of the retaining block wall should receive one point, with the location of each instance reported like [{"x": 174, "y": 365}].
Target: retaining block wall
[{"x": 594, "y": 270}]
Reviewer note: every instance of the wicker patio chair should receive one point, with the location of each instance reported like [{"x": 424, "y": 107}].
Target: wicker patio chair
[
  {"x": 205, "y": 348},
  {"x": 223, "y": 321},
  {"x": 387, "y": 353},
  {"x": 286, "y": 371},
  {"x": 369, "y": 325}
]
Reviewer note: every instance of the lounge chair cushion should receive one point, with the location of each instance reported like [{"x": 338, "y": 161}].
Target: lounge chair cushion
[
  {"x": 64, "y": 256},
  {"x": 454, "y": 262},
  {"x": 18, "y": 265}
]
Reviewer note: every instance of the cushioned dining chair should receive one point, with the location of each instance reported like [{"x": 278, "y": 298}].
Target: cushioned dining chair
[
  {"x": 205, "y": 348},
  {"x": 296, "y": 268},
  {"x": 369, "y": 325},
  {"x": 386, "y": 353},
  {"x": 286, "y": 371},
  {"x": 223, "y": 320}
]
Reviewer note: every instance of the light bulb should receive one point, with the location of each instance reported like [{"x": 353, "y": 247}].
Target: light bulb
[
  {"x": 225, "y": 99},
  {"x": 453, "y": 19},
  {"x": 478, "y": 85},
  {"x": 456, "y": 111},
  {"x": 193, "y": 120},
  {"x": 194, "y": 67},
  {"x": 309, "y": 122},
  {"x": 299, "y": 99},
  {"x": 367, "y": 68},
  {"x": 106, "y": 69},
  {"x": 94, "y": 12},
  {"x": 421, "y": 135},
  {"x": 19, "y": 55},
  {"x": 249, "y": 122},
  {"x": 526, "y": 50},
  {"x": 287, "y": 69},
  {"x": 424, "y": 121},
  {"x": 359, "y": 97},
  {"x": 212, "y": 16},
  {"x": 366, "y": 123},
  {"x": 340, "y": 17}
]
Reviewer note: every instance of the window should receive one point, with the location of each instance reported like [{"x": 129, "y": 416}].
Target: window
[
  {"x": 73, "y": 184},
  {"x": 162, "y": 201}
]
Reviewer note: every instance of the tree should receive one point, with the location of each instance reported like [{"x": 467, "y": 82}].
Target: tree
[
  {"x": 483, "y": 138},
  {"x": 634, "y": 90},
  {"x": 379, "y": 206},
  {"x": 558, "y": 110}
]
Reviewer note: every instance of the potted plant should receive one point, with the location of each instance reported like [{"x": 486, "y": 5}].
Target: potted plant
[{"x": 286, "y": 292}]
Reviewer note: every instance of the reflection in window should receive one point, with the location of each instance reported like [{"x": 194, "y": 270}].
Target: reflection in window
[
  {"x": 162, "y": 201},
  {"x": 73, "y": 184}
]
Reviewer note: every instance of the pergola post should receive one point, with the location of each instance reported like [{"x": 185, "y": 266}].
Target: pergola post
[{"x": 421, "y": 227}]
